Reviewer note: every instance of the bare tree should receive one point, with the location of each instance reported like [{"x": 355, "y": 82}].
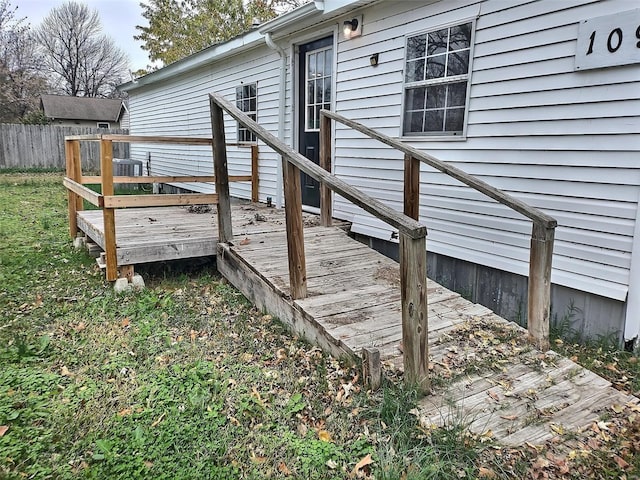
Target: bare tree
[
  {"x": 83, "y": 61},
  {"x": 21, "y": 81}
]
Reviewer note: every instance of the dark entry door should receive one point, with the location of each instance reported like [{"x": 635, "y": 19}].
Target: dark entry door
[{"x": 314, "y": 84}]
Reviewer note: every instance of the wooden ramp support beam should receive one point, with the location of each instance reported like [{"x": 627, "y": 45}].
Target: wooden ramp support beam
[
  {"x": 415, "y": 325},
  {"x": 295, "y": 231},
  {"x": 221, "y": 172},
  {"x": 411, "y": 186},
  {"x": 371, "y": 368},
  {"x": 539, "y": 302},
  {"x": 108, "y": 214},
  {"x": 326, "y": 208}
]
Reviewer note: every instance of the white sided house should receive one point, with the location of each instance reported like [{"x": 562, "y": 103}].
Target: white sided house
[{"x": 539, "y": 98}]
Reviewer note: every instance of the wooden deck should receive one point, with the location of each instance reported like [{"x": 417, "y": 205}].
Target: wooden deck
[
  {"x": 485, "y": 375},
  {"x": 484, "y": 372}
]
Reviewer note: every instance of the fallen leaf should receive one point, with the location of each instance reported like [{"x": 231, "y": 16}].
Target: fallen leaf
[
  {"x": 621, "y": 462},
  {"x": 246, "y": 241},
  {"x": 64, "y": 371},
  {"x": 80, "y": 327},
  {"x": 282, "y": 468},
  {"x": 557, "y": 428},
  {"x": 331, "y": 464},
  {"x": 258, "y": 459},
  {"x": 124, "y": 412},
  {"x": 493, "y": 395},
  {"x": 148, "y": 464},
  {"x": 617, "y": 408},
  {"x": 324, "y": 435},
  {"x": 367, "y": 460},
  {"x": 3, "y": 429},
  {"x": 484, "y": 472},
  {"x": 509, "y": 417},
  {"x": 125, "y": 322}
]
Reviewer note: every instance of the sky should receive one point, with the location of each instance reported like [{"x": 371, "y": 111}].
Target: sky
[{"x": 118, "y": 17}]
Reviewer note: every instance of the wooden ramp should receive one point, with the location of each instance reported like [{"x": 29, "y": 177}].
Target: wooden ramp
[{"x": 484, "y": 373}]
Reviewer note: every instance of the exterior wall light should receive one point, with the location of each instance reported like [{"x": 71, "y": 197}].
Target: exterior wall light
[
  {"x": 373, "y": 59},
  {"x": 352, "y": 28}
]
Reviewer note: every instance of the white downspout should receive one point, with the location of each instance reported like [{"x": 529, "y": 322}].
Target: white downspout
[{"x": 281, "y": 110}]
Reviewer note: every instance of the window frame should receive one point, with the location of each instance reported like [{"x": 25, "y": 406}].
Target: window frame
[
  {"x": 240, "y": 128},
  {"x": 101, "y": 125},
  {"x": 441, "y": 135},
  {"x": 332, "y": 75}
]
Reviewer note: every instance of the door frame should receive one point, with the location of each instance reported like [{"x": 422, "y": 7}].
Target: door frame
[{"x": 297, "y": 95}]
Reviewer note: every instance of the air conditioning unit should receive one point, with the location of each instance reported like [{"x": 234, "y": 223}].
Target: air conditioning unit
[{"x": 126, "y": 167}]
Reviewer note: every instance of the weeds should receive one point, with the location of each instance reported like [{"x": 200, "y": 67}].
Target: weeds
[{"x": 187, "y": 380}]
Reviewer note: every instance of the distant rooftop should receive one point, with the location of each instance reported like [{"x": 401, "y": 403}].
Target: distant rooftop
[{"x": 81, "y": 108}]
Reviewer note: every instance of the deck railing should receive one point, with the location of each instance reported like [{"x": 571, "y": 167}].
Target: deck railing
[
  {"x": 543, "y": 229},
  {"x": 413, "y": 254},
  {"x": 108, "y": 202}
]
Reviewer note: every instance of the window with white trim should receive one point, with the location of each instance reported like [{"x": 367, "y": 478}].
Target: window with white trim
[
  {"x": 247, "y": 101},
  {"x": 103, "y": 125},
  {"x": 318, "y": 82},
  {"x": 436, "y": 80}
]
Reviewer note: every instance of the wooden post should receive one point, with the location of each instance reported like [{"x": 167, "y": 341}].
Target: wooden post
[
  {"x": 415, "y": 325},
  {"x": 326, "y": 206},
  {"x": 77, "y": 171},
  {"x": 221, "y": 172},
  {"x": 295, "y": 232},
  {"x": 255, "y": 192},
  {"x": 411, "y": 186},
  {"x": 108, "y": 214},
  {"x": 371, "y": 368},
  {"x": 539, "y": 303},
  {"x": 72, "y": 197}
]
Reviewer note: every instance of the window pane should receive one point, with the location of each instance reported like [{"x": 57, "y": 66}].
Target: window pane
[
  {"x": 413, "y": 121},
  {"x": 437, "y": 42},
  {"x": 458, "y": 63},
  {"x": 436, "y": 96},
  {"x": 435, "y": 67},
  {"x": 415, "y": 98},
  {"x": 238, "y": 92},
  {"x": 320, "y": 68},
  {"x": 434, "y": 120},
  {"x": 319, "y": 90},
  {"x": 327, "y": 106},
  {"x": 455, "y": 120},
  {"x": 310, "y": 92},
  {"x": 311, "y": 66},
  {"x": 310, "y": 118},
  {"x": 460, "y": 37},
  {"x": 327, "y": 90},
  {"x": 246, "y": 105},
  {"x": 415, "y": 71},
  {"x": 416, "y": 47},
  {"x": 328, "y": 60},
  {"x": 252, "y": 104},
  {"x": 457, "y": 94}
]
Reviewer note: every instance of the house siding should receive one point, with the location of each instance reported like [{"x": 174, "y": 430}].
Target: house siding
[
  {"x": 180, "y": 106},
  {"x": 562, "y": 141}
]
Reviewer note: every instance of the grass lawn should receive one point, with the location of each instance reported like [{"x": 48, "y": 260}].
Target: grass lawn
[{"x": 187, "y": 380}]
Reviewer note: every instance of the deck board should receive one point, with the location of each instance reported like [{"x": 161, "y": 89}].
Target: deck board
[{"x": 354, "y": 303}]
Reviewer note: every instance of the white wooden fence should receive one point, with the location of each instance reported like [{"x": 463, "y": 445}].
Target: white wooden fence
[{"x": 42, "y": 146}]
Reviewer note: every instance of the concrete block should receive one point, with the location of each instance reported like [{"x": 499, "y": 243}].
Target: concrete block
[
  {"x": 137, "y": 282},
  {"x": 121, "y": 286},
  {"x": 78, "y": 243}
]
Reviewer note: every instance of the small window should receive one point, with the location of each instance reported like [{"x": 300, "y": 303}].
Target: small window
[
  {"x": 436, "y": 81},
  {"x": 247, "y": 101},
  {"x": 103, "y": 125},
  {"x": 318, "y": 86}
]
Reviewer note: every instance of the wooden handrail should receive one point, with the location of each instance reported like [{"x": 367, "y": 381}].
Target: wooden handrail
[
  {"x": 109, "y": 202},
  {"x": 542, "y": 234},
  {"x": 519, "y": 206},
  {"x": 413, "y": 252},
  {"x": 398, "y": 220}
]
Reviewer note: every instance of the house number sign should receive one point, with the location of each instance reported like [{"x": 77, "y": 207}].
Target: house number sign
[{"x": 609, "y": 41}]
